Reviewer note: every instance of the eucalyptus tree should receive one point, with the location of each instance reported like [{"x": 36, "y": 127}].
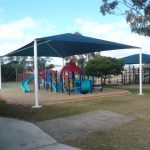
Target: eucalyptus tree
[{"x": 136, "y": 12}]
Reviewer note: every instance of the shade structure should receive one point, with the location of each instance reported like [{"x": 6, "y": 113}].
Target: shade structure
[
  {"x": 134, "y": 59},
  {"x": 68, "y": 44},
  {"x": 71, "y": 67},
  {"x": 63, "y": 45},
  {"x": 137, "y": 59}
]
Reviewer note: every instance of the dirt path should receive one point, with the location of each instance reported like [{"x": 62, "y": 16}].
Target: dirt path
[{"x": 79, "y": 125}]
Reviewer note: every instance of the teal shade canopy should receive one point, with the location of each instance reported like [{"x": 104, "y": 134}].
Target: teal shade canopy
[
  {"x": 134, "y": 59},
  {"x": 68, "y": 44}
]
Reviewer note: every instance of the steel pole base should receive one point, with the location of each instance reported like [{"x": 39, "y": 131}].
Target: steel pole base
[{"x": 37, "y": 106}]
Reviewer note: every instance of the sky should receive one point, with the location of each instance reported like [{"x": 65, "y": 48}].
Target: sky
[{"x": 21, "y": 21}]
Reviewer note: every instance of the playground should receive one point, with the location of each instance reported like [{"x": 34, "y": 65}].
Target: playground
[
  {"x": 67, "y": 85},
  {"x": 9, "y": 94}
]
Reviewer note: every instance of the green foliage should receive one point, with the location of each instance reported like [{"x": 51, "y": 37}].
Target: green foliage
[
  {"x": 103, "y": 67},
  {"x": 50, "y": 66},
  {"x": 81, "y": 60},
  {"x": 137, "y": 13},
  {"x": 8, "y": 72},
  {"x": 41, "y": 61},
  {"x": 20, "y": 60},
  {"x": 17, "y": 62},
  {"x": 71, "y": 58},
  {"x": 11, "y": 66}
]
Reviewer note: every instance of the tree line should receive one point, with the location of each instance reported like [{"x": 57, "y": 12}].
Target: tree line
[{"x": 93, "y": 65}]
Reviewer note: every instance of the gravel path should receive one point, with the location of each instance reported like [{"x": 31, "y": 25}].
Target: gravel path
[{"x": 79, "y": 125}]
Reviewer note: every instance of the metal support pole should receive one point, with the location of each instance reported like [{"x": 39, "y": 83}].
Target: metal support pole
[
  {"x": 68, "y": 83},
  {"x": 51, "y": 78},
  {"x": 93, "y": 83},
  {"x": 36, "y": 76},
  {"x": 0, "y": 73},
  {"x": 149, "y": 75},
  {"x": 46, "y": 78},
  {"x": 62, "y": 62},
  {"x": 133, "y": 81},
  {"x": 140, "y": 82},
  {"x": 80, "y": 84}
]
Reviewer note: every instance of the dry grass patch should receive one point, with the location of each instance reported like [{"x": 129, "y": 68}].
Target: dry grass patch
[
  {"x": 132, "y": 136},
  {"x": 134, "y": 105}
]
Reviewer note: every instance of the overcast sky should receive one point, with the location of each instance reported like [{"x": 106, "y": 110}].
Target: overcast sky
[{"x": 23, "y": 20}]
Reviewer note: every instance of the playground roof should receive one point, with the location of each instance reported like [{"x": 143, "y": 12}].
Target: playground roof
[
  {"x": 71, "y": 67},
  {"x": 68, "y": 44},
  {"x": 134, "y": 59}
]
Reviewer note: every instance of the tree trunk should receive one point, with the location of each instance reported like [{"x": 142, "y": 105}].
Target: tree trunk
[{"x": 104, "y": 80}]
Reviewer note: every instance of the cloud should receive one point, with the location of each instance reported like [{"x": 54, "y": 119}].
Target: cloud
[
  {"x": 115, "y": 31},
  {"x": 16, "y": 30},
  {"x": 96, "y": 29},
  {"x": 18, "y": 33},
  {"x": 90, "y": 27}
]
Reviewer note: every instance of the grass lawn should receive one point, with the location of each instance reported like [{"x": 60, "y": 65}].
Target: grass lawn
[{"x": 132, "y": 136}]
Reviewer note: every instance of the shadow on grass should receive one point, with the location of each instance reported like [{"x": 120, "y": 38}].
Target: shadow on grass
[{"x": 47, "y": 112}]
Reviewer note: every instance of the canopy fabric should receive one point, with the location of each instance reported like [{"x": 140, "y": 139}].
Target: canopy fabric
[
  {"x": 134, "y": 59},
  {"x": 71, "y": 67},
  {"x": 68, "y": 44}
]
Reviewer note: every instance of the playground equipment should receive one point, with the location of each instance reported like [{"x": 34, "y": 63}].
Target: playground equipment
[
  {"x": 86, "y": 86},
  {"x": 71, "y": 83},
  {"x": 24, "y": 84},
  {"x": 53, "y": 81},
  {"x": 28, "y": 77},
  {"x": 69, "y": 79}
]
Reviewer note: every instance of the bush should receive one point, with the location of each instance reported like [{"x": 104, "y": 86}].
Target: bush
[{"x": 8, "y": 72}]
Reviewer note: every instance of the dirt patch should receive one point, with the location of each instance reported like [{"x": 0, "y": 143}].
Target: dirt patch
[{"x": 17, "y": 96}]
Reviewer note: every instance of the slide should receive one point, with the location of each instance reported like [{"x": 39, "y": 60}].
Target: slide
[
  {"x": 24, "y": 84},
  {"x": 86, "y": 86},
  {"x": 59, "y": 87}
]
